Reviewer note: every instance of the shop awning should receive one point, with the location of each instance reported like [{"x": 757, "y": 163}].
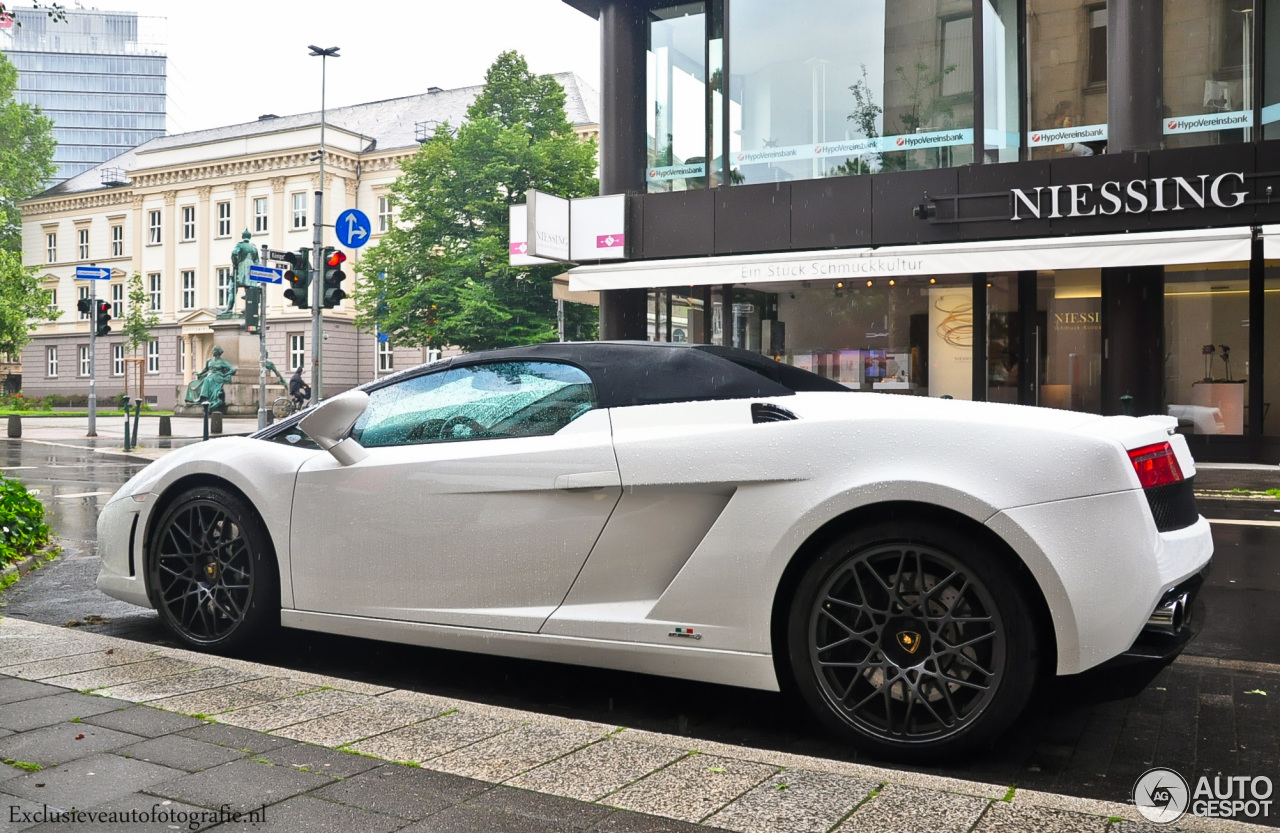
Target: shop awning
[
  {"x": 1271, "y": 242},
  {"x": 1159, "y": 248}
]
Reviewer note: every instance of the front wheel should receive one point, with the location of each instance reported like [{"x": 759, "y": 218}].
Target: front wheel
[
  {"x": 913, "y": 642},
  {"x": 211, "y": 572}
]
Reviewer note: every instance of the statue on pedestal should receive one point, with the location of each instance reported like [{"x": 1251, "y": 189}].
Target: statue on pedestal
[
  {"x": 244, "y": 255},
  {"x": 207, "y": 386}
]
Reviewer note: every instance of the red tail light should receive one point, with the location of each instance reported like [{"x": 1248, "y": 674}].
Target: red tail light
[{"x": 1156, "y": 465}]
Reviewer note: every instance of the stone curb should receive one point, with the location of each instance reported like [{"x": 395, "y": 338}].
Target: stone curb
[{"x": 716, "y": 784}]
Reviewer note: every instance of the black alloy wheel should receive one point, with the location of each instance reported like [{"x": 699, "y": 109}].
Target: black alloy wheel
[
  {"x": 913, "y": 642},
  {"x": 211, "y": 572}
]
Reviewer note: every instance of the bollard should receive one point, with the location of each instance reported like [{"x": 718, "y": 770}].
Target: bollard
[
  {"x": 166, "y": 426},
  {"x": 215, "y": 422},
  {"x": 137, "y": 414},
  {"x": 15, "y": 426},
  {"x": 206, "y": 421},
  {"x": 127, "y": 446},
  {"x": 1126, "y": 405}
]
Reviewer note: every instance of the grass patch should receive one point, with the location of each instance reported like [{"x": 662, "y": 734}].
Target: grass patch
[
  {"x": 351, "y": 751},
  {"x": 1008, "y": 797}
]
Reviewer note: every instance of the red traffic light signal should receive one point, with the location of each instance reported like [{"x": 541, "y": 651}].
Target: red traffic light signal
[
  {"x": 336, "y": 259},
  {"x": 104, "y": 316}
]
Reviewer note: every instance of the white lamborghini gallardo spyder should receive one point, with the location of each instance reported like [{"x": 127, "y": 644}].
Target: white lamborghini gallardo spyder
[{"x": 909, "y": 566}]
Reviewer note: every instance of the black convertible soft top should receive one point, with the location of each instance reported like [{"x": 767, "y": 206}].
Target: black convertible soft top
[{"x": 648, "y": 373}]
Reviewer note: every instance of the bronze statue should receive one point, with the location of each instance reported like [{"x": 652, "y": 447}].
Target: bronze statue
[
  {"x": 207, "y": 386},
  {"x": 244, "y": 255}
]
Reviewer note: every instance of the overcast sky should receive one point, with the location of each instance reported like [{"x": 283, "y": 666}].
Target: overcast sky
[{"x": 231, "y": 61}]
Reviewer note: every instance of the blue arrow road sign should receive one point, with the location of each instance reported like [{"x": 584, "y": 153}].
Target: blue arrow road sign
[
  {"x": 353, "y": 228},
  {"x": 265, "y": 274},
  {"x": 93, "y": 273}
]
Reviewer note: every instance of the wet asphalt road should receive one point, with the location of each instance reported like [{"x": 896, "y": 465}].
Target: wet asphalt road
[{"x": 1089, "y": 736}]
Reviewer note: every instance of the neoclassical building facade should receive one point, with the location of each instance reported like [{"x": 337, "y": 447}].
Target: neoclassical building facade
[{"x": 172, "y": 209}]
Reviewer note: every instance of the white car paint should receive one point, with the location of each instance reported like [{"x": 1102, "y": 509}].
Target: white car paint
[{"x": 706, "y": 512}]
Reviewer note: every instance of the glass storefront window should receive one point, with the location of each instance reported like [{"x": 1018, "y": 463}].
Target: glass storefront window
[
  {"x": 1271, "y": 71},
  {"x": 902, "y": 335},
  {"x": 1066, "y": 77},
  {"x": 1004, "y": 339},
  {"x": 836, "y": 87},
  {"x": 1208, "y": 72},
  {"x": 1068, "y": 339},
  {"x": 1206, "y": 312},
  {"x": 676, "y": 96},
  {"x": 1001, "y": 141}
]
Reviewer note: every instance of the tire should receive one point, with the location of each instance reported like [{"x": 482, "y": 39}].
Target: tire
[
  {"x": 912, "y": 641},
  {"x": 211, "y": 572},
  {"x": 282, "y": 407}
]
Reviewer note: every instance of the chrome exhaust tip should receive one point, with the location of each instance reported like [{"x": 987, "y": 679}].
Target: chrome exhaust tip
[{"x": 1171, "y": 615}]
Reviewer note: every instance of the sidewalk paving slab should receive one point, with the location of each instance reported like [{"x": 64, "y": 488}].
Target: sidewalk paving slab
[{"x": 508, "y": 769}]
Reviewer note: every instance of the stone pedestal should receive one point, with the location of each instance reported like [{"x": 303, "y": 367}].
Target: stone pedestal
[{"x": 241, "y": 393}]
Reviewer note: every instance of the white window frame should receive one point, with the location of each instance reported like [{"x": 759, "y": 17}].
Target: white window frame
[
  {"x": 117, "y": 241},
  {"x": 297, "y": 350},
  {"x": 155, "y": 289},
  {"x": 154, "y": 225},
  {"x": 51, "y": 362},
  {"x": 51, "y": 246},
  {"x": 224, "y": 219},
  {"x": 188, "y": 223},
  {"x": 117, "y": 300},
  {"x": 117, "y": 359},
  {"x": 224, "y": 285},
  {"x": 82, "y": 243},
  {"x": 260, "y": 215},
  {"x": 182, "y": 355},
  {"x": 300, "y": 210},
  {"x": 386, "y": 357},
  {"x": 386, "y": 213},
  {"x": 86, "y": 364},
  {"x": 188, "y": 289},
  {"x": 153, "y": 356}
]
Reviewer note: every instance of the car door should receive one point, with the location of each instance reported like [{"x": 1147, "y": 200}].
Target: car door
[{"x": 484, "y": 489}]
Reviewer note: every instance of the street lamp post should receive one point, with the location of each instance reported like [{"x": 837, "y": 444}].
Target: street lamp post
[{"x": 317, "y": 241}]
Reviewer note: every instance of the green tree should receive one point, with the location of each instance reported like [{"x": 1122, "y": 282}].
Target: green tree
[
  {"x": 139, "y": 319},
  {"x": 441, "y": 275},
  {"x": 26, "y": 155},
  {"x": 23, "y": 302}
]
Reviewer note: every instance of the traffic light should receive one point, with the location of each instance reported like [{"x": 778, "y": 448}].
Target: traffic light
[
  {"x": 104, "y": 317},
  {"x": 84, "y": 306},
  {"x": 253, "y": 308},
  {"x": 298, "y": 276},
  {"x": 333, "y": 277}
]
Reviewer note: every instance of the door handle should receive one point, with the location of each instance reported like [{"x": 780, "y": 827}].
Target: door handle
[{"x": 588, "y": 480}]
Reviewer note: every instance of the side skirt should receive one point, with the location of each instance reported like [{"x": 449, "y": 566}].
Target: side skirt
[{"x": 746, "y": 670}]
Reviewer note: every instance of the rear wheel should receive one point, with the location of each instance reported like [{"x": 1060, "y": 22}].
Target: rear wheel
[
  {"x": 211, "y": 572},
  {"x": 913, "y": 642}
]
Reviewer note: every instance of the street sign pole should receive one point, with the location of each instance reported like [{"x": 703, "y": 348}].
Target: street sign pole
[
  {"x": 262, "y": 347},
  {"x": 93, "y": 331}
]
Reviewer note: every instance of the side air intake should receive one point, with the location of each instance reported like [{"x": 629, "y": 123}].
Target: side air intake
[{"x": 764, "y": 412}]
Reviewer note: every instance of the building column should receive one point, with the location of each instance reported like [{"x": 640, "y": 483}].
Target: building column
[
  {"x": 1133, "y": 339},
  {"x": 189, "y": 349},
  {"x": 169, "y": 239},
  {"x": 622, "y": 153},
  {"x": 279, "y": 210},
  {"x": 240, "y": 208},
  {"x": 204, "y": 230},
  {"x": 1135, "y": 75}
]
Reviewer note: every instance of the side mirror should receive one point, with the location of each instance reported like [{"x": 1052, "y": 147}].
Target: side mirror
[{"x": 330, "y": 422}]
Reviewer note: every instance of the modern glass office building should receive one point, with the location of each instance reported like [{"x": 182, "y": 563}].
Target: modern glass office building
[
  {"x": 1072, "y": 203},
  {"x": 99, "y": 75}
]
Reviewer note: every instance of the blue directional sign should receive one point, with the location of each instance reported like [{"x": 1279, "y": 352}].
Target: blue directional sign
[
  {"x": 266, "y": 274},
  {"x": 93, "y": 273},
  {"x": 353, "y": 228}
]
